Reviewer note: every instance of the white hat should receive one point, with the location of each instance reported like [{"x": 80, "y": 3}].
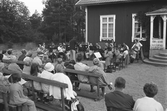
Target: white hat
[{"x": 49, "y": 66}]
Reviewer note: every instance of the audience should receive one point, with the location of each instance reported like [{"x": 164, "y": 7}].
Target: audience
[
  {"x": 47, "y": 74},
  {"x": 27, "y": 63},
  {"x": 17, "y": 96},
  {"x": 118, "y": 100},
  {"x": 21, "y": 57},
  {"x": 81, "y": 67},
  {"x": 148, "y": 103},
  {"x": 61, "y": 77},
  {"x": 95, "y": 69}
]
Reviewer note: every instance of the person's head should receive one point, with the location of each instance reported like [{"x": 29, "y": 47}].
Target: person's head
[
  {"x": 150, "y": 89},
  {"x": 49, "y": 67},
  {"x": 59, "y": 60},
  {"x": 96, "y": 61},
  {"x": 79, "y": 57},
  {"x": 72, "y": 62},
  {"x": 34, "y": 69},
  {"x": 40, "y": 54},
  {"x": 29, "y": 54},
  {"x": 59, "y": 68},
  {"x": 23, "y": 51},
  {"x": 14, "y": 78},
  {"x": 3, "y": 51},
  {"x": 120, "y": 83},
  {"x": 9, "y": 52}
]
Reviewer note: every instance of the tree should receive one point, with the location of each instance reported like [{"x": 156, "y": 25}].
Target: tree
[
  {"x": 62, "y": 20},
  {"x": 13, "y": 21}
]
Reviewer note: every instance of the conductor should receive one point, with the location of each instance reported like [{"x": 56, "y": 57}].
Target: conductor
[{"x": 73, "y": 43}]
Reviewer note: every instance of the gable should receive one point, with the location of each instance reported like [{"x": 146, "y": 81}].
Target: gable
[{"x": 99, "y": 2}]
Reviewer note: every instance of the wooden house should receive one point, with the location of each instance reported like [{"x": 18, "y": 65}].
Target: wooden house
[{"x": 117, "y": 20}]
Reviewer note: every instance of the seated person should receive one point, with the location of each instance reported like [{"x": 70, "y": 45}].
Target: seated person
[
  {"x": 81, "y": 67},
  {"x": 10, "y": 54},
  {"x": 73, "y": 77},
  {"x": 95, "y": 69},
  {"x": 27, "y": 60},
  {"x": 17, "y": 96},
  {"x": 148, "y": 103},
  {"x": 109, "y": 56},
  {"x": 118, "y": 100},
  {"x": 61, "y": 77},
  {"x": 47, "y": 74},
  {"x": 35, "y": 72}
]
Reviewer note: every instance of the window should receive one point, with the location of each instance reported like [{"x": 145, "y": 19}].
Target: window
[
  {"x": 137, "y": 30},
  {"x": 107, "y": 27}
]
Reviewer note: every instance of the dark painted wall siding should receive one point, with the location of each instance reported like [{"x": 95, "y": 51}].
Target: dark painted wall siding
[{"x": 123, "y": 24}]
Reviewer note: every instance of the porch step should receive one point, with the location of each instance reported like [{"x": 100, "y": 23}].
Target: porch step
[
  {"x": 159, "y": 56},
  {"x": 158, "y": 60},
  {"x": 163, "y": 54},
  {"x": 154, "y": 62}
]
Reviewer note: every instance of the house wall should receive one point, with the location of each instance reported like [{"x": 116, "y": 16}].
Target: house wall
[{"x": 123, "y": 24}]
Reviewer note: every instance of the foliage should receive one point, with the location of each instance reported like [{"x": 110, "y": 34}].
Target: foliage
[
  {"x": 145, "y": 20},
  {"x": 62, "y": 20},
  {"x": 13, "y": 20}
]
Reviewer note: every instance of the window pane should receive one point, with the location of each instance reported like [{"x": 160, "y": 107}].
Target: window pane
[
  {"x": 111, "y": 19},
  {"x": 104, "y": 20},
  {"x": 110, "y": 34},
  {"x": 104, "y": 35}
]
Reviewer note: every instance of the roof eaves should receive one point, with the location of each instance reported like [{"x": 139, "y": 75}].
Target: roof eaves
[{"x": 81, "y": 3}]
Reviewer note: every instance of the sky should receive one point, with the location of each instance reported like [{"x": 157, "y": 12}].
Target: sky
[{"x": 34, "y": 5}]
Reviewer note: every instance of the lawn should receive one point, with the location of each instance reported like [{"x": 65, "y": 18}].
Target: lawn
[{"x": 136, "y": 75}]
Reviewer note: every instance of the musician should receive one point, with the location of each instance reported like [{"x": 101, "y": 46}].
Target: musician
[
  {"x": 61, "y": 52},
  {"x": 73, "y": 43},
  {"x": 52, "y": 52}
]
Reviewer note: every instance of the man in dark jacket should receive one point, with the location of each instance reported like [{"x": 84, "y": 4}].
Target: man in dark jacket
[
  {"x": 118, "y": 100},
  {"x": 73, "y": 43}
]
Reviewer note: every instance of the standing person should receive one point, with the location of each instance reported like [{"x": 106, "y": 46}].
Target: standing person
[
  {"x": 21, "y": 58},
  {"x": 148, "y": 103},
  {"x": 118, "y": 100},
  {"x": 73, "y": 43}
]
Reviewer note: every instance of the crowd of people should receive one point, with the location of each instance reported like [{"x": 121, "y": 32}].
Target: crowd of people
[{"x": 49, "y": 63}]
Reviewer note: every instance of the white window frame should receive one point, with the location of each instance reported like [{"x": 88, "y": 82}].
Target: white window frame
[
  {"x": 133, "y": 29},
  {"x": 101, "y": 22}
]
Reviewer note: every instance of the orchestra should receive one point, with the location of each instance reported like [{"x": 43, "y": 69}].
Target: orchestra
[{"x": 110, "y": 52}]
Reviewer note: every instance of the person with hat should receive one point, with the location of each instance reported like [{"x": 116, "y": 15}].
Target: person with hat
[
  {"x": 95, "y": 69},
  {"x": 47, "y": 74}
]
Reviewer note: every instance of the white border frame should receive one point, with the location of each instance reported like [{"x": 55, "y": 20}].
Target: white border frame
[{"x": 114, "y": 18}]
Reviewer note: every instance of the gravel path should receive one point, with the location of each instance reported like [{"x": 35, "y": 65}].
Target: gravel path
[{"x": 136, "y": 75}]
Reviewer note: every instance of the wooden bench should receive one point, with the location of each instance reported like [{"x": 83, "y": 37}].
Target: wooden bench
[
  {"x": 42, "y": 105},
  {"x": 38, "y": 104},
  {"x": 94, "y": 96}
]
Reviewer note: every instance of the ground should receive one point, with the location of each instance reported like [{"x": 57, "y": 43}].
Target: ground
[{"x": 136, "y": 75}]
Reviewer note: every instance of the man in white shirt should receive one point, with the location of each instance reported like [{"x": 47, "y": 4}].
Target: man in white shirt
[
  {"x": 81, "y": 67},
  {"x": 148, "y": 103}
]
